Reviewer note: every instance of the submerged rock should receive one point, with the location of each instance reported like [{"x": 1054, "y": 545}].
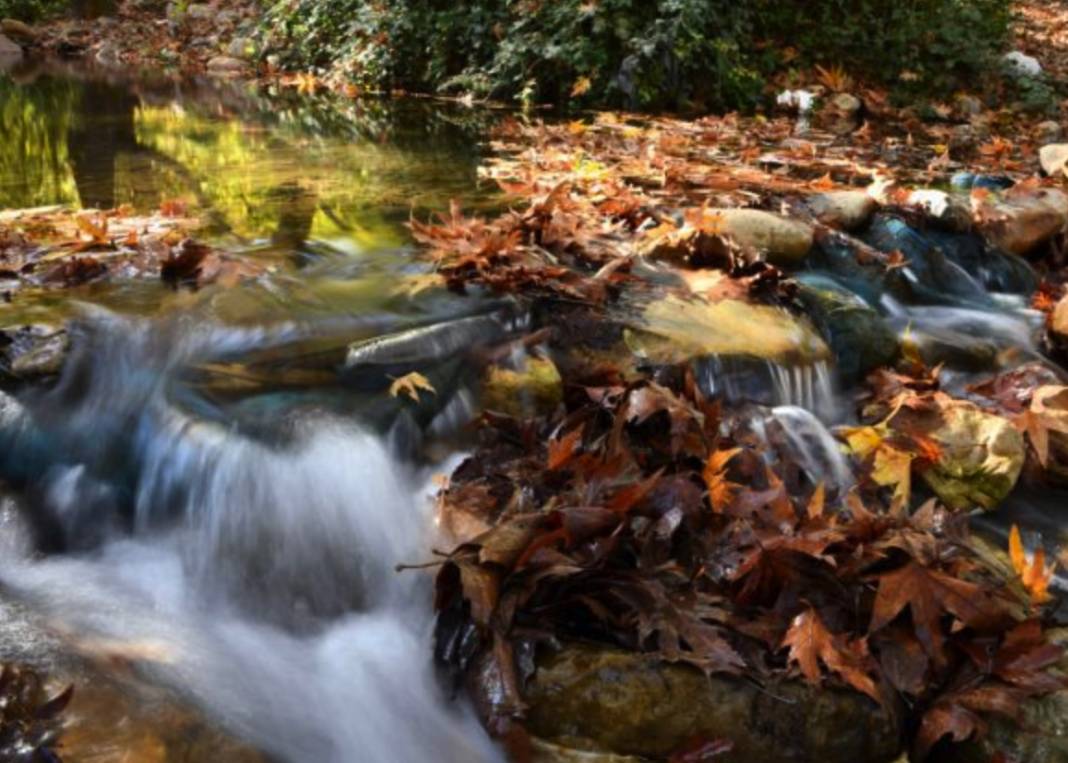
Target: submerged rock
[
  {"x": 982, "y": 456},
  {"x": 33, "y": 352},
  {"x": 602, "y": 700},
  {"x": 859, "y": 338}
]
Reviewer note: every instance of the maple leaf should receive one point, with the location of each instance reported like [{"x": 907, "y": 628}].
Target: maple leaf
[
  {"x": 409, "y": 385},
  {"x": 1048, "y": 413},
  {"x": 811, "y": 643},
  {"x": 929, "y": 595},
  {"x": 1032, "y": 569}
]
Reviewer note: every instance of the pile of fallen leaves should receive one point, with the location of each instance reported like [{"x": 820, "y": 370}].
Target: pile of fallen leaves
[
  {"x": 643, "y": 517},
  {"x": 58, "y": 247}
]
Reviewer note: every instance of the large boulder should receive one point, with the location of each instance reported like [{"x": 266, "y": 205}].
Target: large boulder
[{"x": 608, "y": 701}]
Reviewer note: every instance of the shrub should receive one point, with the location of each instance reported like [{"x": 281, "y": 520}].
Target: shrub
[
  {"x": 648, "y": 54},
  {"x": 30, "y": 10}
]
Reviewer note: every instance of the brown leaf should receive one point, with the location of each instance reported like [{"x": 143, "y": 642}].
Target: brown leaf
[{"x": 811, "y": 643}]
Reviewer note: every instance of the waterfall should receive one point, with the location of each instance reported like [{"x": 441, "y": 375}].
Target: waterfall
[{"x": 255, "y": 576}]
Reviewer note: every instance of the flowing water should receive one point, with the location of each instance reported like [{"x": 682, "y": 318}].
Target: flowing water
[
  {"x": 246, "y": 543},
  {"x": 217, "y": 488}
]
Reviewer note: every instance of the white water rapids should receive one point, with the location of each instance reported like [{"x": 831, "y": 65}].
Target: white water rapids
[{"x": 269, "y": 598}]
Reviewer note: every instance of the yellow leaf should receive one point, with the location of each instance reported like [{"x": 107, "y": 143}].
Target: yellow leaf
[
  {"x": 410, "y": 384},
  {"x": 893, "y": 468},
  {"x": 582, "y": 86},
  {"x": 721, "y": 491},
  {"x": 1016, "y": 551}
]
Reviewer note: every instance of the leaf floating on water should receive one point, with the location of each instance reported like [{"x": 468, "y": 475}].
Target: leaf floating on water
[{"x": 409, "y": 386}]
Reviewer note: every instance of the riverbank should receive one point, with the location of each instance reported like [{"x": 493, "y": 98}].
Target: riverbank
[{"x": 756, "y": 410}]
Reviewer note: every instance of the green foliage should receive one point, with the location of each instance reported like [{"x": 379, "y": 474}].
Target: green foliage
[
  {"x": 30, "y": 10},
  {"x": 648, "y": 54},
  {"x": 936, "y": 44}
]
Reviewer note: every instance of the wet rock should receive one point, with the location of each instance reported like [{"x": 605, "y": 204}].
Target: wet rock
[
  {"x": 982, "y": 457},
  {"x": 10, "y": 52},
  {"x": 532, "y": 389},
  {"x": 953, "y": 349},
  {"x": 1040, "y": 734},
  {"x": 968, "y": 181},
  {"x": 18, "y": 31},
  {"x": 930, "y": 277},
  {"x": 607, "y": 701},
  {"x": 30, "y": 353},
  {"x": 1024, "y": 221},
  {"x": 859, "y": 338},
  {"x": 949, "y": 211},
  {"x": 227, "y": 66},
  {"x": 845, "y": 210},
  {"x": 1053, "y": 157},
  {"x": 781, "y": 239},
  {"x": 674, "y": 330}
]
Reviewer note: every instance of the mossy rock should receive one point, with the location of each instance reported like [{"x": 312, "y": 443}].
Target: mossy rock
[
  {"x": 610, "y": 701},
  {"x": 535, "y": 388}
]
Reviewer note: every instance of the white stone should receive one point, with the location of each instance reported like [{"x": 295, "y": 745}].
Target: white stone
[{"x": 1021, "y": 65}]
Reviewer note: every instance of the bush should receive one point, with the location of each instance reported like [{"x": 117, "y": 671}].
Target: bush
[
  {"x": 648, "y": 54},
  {"x": 30, "y": 10}
]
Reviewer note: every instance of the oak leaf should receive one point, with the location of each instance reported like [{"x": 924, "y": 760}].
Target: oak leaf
[{"x": 409, "y": 386}]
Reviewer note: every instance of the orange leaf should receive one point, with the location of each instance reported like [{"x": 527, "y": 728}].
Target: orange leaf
[
  {"x": 721, "y": 491},
  {"x": 563, "y": 449}
]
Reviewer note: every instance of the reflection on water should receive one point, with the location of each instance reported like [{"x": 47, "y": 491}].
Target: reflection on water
[
  {"x": 261, "y": 168},
  {"x": 200, "y": 499}
]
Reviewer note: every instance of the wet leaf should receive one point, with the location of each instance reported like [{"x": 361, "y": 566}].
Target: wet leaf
[{"x": 410, "y": 385}]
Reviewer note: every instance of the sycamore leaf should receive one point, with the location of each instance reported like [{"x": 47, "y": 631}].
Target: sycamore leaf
[
  {"x": 811, "y": 643},
  {"x": 929, "y": 595},
  {"x": 1048, "y": 413},
  {"x": 410, "y": 384}
]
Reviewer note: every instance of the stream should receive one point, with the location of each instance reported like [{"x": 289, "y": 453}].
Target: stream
[{"x": 203, "y": 492}]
